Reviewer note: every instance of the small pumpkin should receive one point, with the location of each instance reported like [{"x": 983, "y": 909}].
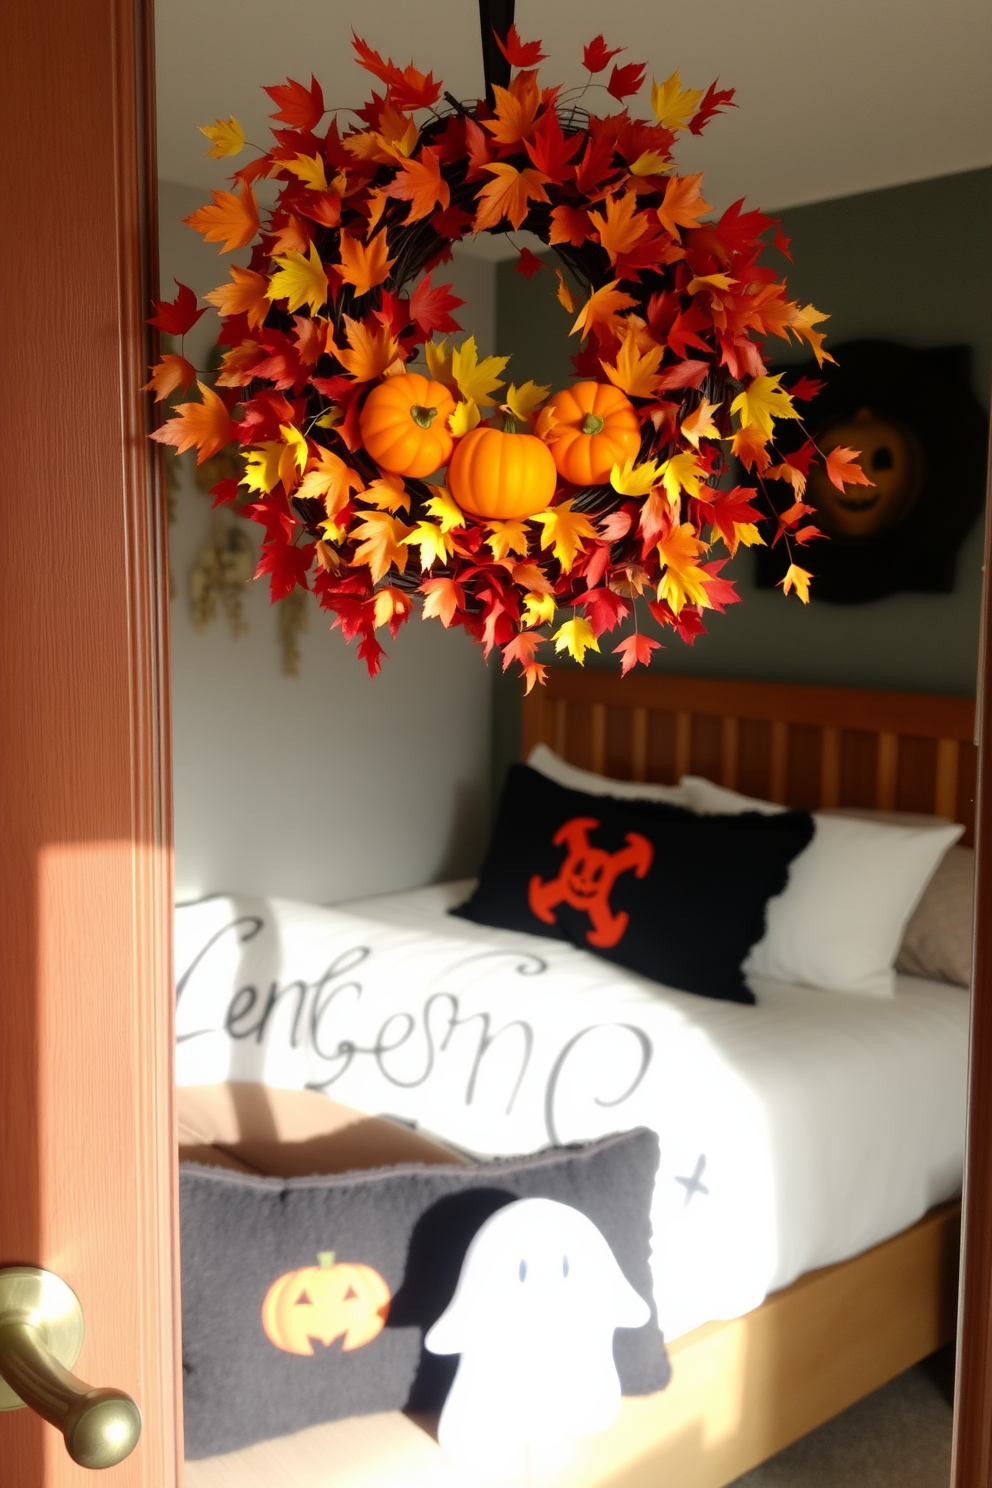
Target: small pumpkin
[
  {"x": 596, "y": 428},
  {"x": 326, "y": 1301},
  {"x": 499, "y": 474},
  {"x": 404, "y": 424}
]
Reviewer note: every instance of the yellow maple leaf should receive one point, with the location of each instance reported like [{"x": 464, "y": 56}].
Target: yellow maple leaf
[
  {"x": 683, "y": 204},
  {"x": 787, "y": 472},
  {"x": 433, "y": 543},
  {"x": 523, "y": 402},
  {"x": 682, "y": 472},
  {"x": 796, "y": 578},
  {"x": 539, "y": 609},
  {"x": 801, "y": 321},
  {"x": 475, "y": 379},
  {"x": 230, "y": 220},
  {"x": 683, "y": 581},
  {"x": 674, "y": 106},
  {"x": 372, "y": 354},
  {"x": 506, "y": 538},
  {"x": 565, "y": 295},
  {"x": 465, "y": 417},
  {"x": 635, "y": 372},
  {"x": 246, "y": 293},
  {"x": 564, "y": 529},
  {"x": 508, "y": 195},
  {"x": 381, "y": 544},
  {"x": 310, "y": 170},
  {"x": 747, "y": 534},
  {"x": 649, "y": 163},
  {"x": 439, "y": 361},
  {"x": 761, "y": 403},
  {"x": 226, "y": 137},
  {"x": 443, "y": 506},
  {"x": 329, "y": 480},
  {"x": 601, "y": 308},
  {"x": 710, "y": 281},
  {"x": 387, "y": 492},
  {"x": 699, "y": 425},
  {"x": 295, "y": 454},
  {"x": 576, "y": 637},
  {"x": 622, "y": 227},
  {"x": 299, "y": 281},
  {"x": 364, "y": 266},
  {"x": 262, "y": 466},
  {"x": 635, "y": 480}
]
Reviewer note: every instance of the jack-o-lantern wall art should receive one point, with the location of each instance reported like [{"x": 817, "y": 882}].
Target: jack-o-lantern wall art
[
  {"x": 327, "y": 1301},
  {"x": 903, "y": 529}
]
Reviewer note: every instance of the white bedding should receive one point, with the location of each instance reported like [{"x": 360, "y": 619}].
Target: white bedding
[{"x": 793, "y": 1134}]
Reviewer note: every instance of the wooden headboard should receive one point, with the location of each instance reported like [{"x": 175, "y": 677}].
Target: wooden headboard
[{"x": 801, "y": 746}]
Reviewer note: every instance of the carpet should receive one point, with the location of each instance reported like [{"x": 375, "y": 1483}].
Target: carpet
[{"x": 898, "y": 1437}]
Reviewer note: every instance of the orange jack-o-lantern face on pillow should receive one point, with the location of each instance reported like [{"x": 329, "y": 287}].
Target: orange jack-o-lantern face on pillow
[
  {"x": 891, "y": 457},
  {"x": 325, "y": 1302}
]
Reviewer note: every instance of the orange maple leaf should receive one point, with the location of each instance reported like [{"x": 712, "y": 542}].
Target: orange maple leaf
[
  {"x": 750, "y": 446},
  {"x": 172, "y": 372},
  {"x": 569, "y": 225},
  {"x": 601, "y": 309},
  {"x": 844, "y": 470},
  {"x": 623, "y": 225},
  {"x": 373, "y": 352},
  {"x": 421, "y": 184},
  {"x": 237, "y": 366},
  {"x": 207, "y": 426},
  {"x": 244, "y": 294},
  {"x": 290, "y": 237},
  {"x": 331, "y": 481},
  {"x": 683, "y": 204},
  {"x": 635, "y": 372},
  {"x": 381, "y": 544},
  {"x": 231, "y": 220},
  {"x": 516, "y": 109},
  {"x": 363, "y": 265},
  {"x": 443, "y": 598},
  {"x": 508, "y": 195},
  {"x": 522, "y": 649}
]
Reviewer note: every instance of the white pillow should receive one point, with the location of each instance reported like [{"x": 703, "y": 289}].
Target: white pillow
[
  {"x": 546, "y": 762},
  {"x": 840, "y": 921}
]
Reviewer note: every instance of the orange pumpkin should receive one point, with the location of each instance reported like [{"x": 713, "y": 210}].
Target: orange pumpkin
[
  {"x": 326, "y": 1302},
  {"x": 404, "y": 424},
  {"x": 499, "y": 475},
  {"x": 597, "y": 428}
]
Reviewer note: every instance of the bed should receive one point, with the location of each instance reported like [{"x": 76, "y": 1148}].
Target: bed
[{"x": 813, "y": 1308}]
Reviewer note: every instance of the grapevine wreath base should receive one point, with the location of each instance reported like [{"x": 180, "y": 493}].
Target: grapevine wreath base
[{"x": 388, "y": 466}]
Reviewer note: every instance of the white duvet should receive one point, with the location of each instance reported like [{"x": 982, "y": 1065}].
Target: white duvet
[{"x": 793, "y": 1134}]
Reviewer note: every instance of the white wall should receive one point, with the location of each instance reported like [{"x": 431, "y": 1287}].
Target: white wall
[{"x": 329, "y": 784}]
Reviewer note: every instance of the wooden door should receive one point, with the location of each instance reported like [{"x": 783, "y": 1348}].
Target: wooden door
[{"x": 87, "y": 1145}]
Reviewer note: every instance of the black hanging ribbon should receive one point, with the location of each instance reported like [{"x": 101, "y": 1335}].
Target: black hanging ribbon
[{"x": 495, "y": 16}]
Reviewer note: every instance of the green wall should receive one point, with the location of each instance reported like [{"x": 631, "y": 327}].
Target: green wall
[{"x": 911, "y": 263}]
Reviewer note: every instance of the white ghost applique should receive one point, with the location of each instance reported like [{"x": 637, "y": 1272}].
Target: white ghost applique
[{"x": 533, "y": 1315}]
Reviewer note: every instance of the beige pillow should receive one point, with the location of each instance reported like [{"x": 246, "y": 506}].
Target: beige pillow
[{"x": 937, "y": 940}]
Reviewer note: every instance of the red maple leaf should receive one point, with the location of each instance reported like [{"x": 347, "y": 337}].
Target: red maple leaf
[
  {"x": 286, "y": 567},
  {"x": 409, "y": 88},
  {"x": 371, "y": 652},
  {"x": 176, "y": 317},
  {"x": 452, "y": 223},
  {"x": 429, "y": 307},
  {"x": 683, "y": 374},
  {"x": 714, "y": 102},
  {"x": 598, "y": 55},
  {"x": 684, "y": 330},
  {"x": 781, "y": 242},
  {"x": 604, "y": 609},
  {"x": 519, "y": 53},
  {"x": 635, "y": 651},
  {"x": 596, "y": 164},
  {"x": 804, "y": 389},
  {"x": 549, "y": 150},
  {"x": 529, "y": 264},
  {"x": 301, "y": 107},
  {"x": 719, "y": 592},
  {"x": 626, "y": 80},
  {"x": 723, "y": 509}
]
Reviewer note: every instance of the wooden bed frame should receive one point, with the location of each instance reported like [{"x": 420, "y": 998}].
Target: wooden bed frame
[{"x": 741, "y": 1390}]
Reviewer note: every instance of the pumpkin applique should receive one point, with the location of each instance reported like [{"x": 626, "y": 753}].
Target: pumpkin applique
[{"x": 328, "y": 1301}]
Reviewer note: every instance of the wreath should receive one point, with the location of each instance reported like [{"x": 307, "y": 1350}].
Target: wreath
[{"x": 391, "y": 466}]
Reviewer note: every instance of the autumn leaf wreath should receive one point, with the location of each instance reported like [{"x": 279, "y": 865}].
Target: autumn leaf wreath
[{"x": 387, "y": 465}]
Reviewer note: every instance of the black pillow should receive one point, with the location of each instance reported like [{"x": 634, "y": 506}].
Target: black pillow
[
  {"x": 676, "y": 896},
  {"x": 412, "y": 1226}
]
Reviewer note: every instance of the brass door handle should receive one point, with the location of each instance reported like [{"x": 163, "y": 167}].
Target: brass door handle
[{"x": 41, "y": 1334}]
